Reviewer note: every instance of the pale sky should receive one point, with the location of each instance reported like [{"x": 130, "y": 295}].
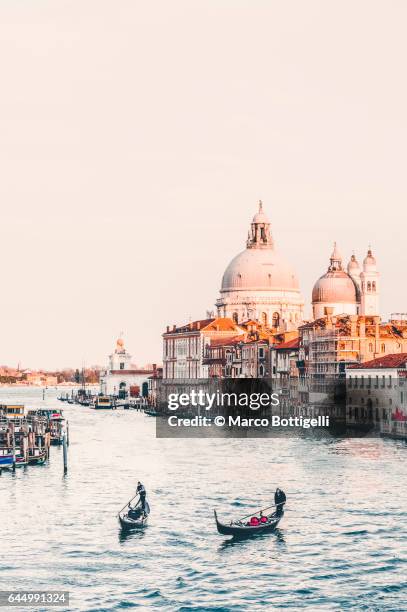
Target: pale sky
[{"x": 136, "y": 138}]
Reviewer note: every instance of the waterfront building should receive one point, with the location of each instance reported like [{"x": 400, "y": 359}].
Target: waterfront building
[
  {"x": 376, "y": 394},
  {"x": 184, "y": 346},
  {"x": 224, "y": 357},
  {"x": 331, "y": 343},
  {"x": 121, "y": 378},
  {"x": 259, "y": 284},
  {"x": 154, "y": 382},
  {"x": 351, "y": 292}
]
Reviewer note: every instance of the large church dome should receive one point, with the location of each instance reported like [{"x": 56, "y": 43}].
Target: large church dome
[
  {"x": 255, "y": 269},
  {"x": 259, "y": 283}
]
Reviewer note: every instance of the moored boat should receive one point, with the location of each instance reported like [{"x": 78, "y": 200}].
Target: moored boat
[
  {"x": 242, "y": 528},
  {"x": 7, "y": 458},
  {"x": 36, "y": 456},
  {"x": 150, "y": 412},
  {"x": 102, "y": 402}
]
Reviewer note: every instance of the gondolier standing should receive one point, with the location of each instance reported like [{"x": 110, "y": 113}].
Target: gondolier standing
[
  {"x": 142, "y": 492},
  {"x": 279, "y": 500}
]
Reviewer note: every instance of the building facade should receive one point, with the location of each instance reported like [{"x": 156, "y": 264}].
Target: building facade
[
  {"x": 121, "y": 379},
  {"x": 376, "y": 394},
  {"x": 184, "y": 347}
]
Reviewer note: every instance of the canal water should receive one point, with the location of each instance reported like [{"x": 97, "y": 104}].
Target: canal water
[{"x": 341, "y": 545}]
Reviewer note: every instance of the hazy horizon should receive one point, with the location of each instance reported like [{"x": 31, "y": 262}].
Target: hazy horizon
[{"x": 137, "y": 139}]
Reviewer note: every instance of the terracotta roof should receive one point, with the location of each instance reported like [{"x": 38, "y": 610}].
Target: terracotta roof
[
  {"x": 194, "y": 325},
  {"x": 395, "y": 360},
  {"x": 226, "y": 342},
  {"x": 222, "y": 324},
  {"x": 291, "y": 344},
  {"x": 218, "y": 324},
  {"x": 343, "y": 325}
]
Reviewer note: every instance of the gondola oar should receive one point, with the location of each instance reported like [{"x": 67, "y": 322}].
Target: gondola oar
[
  {"x": 258, "y": 512},
  {"x": 125, "y": 505}
]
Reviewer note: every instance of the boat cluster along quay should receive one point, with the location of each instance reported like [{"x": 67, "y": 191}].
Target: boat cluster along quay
[
  {"x": 103, "y": 402},
  {"x": 26, "y": 437}
]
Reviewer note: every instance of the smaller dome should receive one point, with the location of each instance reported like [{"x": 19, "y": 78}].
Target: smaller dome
[
  {"x": 335, "y": 287},
  {"x": 260, "y": 216}
]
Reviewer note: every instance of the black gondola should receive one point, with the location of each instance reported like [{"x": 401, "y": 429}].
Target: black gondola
[
  {"x": 133, "y": 517},
  {"x": 239, "y": 529}
]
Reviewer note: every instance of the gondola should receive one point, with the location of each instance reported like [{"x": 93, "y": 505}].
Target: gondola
[
  {"x": 240, "y": 529},
  {"x": 133, "y": 517}
]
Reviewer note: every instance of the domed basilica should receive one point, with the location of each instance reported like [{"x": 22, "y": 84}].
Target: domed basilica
[
  {"x": 355, "y": 291},
  {"x": 259, "y": 283}
]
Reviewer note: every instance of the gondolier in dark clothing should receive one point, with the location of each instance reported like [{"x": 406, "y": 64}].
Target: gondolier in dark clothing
[
  {"x": 279, "y": 500},
  {"x": 142, "y": 492}
]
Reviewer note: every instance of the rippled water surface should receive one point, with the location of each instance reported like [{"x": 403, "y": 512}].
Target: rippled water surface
[{"x": 341, "y": 545}]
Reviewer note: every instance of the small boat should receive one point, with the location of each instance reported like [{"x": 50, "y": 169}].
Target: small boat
[
  {"x": 133, "y": 517},
  {"x": 7, "y": 458},
  {"x": 36, "y": 456},
  {"x": 103, "y": 402},
  {"x": 241, "y": 529},
  {"x": 151, "y": 412}
]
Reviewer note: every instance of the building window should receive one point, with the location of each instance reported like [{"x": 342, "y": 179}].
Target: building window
[
  {"x": 374, "y": 286},
  {"x": 370, "y": 347},
  {"x": 122, "y": 366},
  {"x": 369, "y": 286},
  {"x": 261, "y": 352},
  {"x": 235, "y": 317},
  {"x": 383, "y": 348},
  {"x": 264, "y": 319},
  {"x": 261, "y": 370},
  {"x": 276, "y": 319}
]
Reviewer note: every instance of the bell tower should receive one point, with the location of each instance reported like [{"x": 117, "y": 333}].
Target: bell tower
[{"x": 370, "y": 286}]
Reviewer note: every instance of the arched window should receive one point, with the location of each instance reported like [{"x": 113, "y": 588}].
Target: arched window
[
  {"x": 264, "y": 318},
  {"x": 276, "y": 319},
  {"x": 235, "y": 317},
  {"x": 369, "y": 286},
  {"x": 261, "y": 370},
  {"x": 374, "y": 286}
]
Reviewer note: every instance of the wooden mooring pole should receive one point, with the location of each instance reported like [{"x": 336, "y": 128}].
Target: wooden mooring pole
[
  {"x": 65, "y": 453},
  {"x": 14, "y": 451}
]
